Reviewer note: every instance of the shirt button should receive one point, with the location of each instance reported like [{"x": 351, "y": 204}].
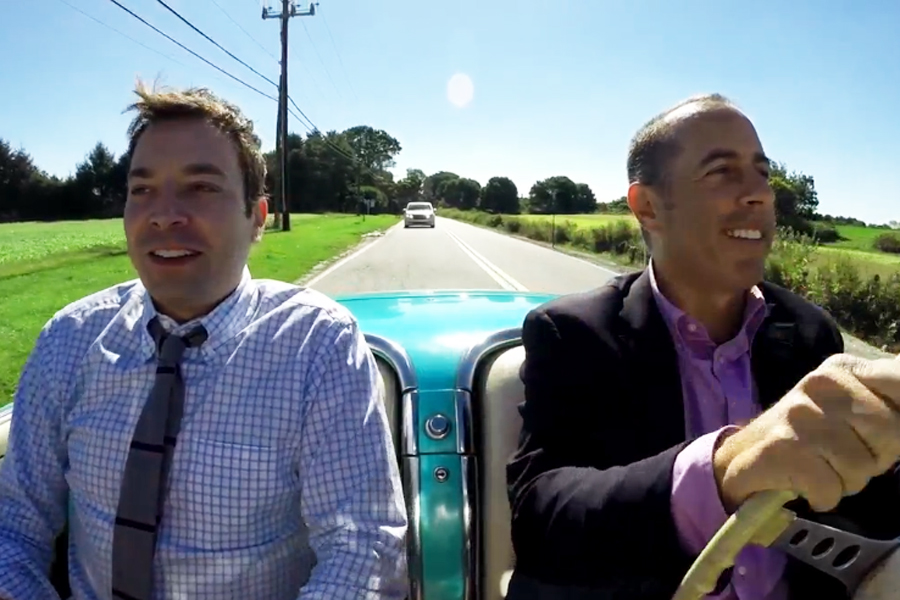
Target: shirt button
[
  {"x": 742, "y": 571},
  {"x": 691, "y": 327}
]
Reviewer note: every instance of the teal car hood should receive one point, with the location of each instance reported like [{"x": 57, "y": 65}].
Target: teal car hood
[{"x": 436, "y": 328}]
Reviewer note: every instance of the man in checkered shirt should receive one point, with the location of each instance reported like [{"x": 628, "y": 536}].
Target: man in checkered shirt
[{"x": 284, "y": 482}]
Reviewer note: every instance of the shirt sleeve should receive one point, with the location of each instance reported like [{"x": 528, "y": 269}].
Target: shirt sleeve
[
  {"x": 352, "y": 496},
  {"x": 33, "y": 489},
  {"x": 698, "y": 513},
  {"x": 696, "y": 504}
]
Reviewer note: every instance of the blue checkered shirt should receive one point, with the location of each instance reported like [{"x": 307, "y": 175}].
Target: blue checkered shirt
[{"x": 284, "y": 483}]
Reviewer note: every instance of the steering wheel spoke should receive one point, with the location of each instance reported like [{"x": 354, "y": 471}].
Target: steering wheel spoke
[
  {"x": 843, "y": 555},
  {"x": 862, "y": 564}
]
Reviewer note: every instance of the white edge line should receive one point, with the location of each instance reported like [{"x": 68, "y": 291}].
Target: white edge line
[
  {"x": 582, "y": 260},
  {"x": 539, "y": 245},
  {"x": 337, "y": 265},
  {"x": 497, "y": 274}
]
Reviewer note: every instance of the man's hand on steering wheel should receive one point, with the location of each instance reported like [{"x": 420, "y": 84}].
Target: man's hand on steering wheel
[{"x": 838, "y": 428}]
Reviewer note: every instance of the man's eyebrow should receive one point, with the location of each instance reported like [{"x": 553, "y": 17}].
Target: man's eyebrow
[
  {"x": 140, "y": 173},
  {"x": 720, "y": 153},
  {"x": 203, "y": 169},
  {"x": 191, "y": 169}
]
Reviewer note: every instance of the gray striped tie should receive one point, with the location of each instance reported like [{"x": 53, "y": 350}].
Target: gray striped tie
[{"x": 146, "y": 470}]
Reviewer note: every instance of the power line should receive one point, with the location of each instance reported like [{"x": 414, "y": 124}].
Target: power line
[
  {"x": 214, "y": 42},
  {"x": 258, "y": 43},
  {"x": 309, "y": 127},
  {"x": 254, "y": 39},
  {"x": 319, "y": 56},
  {"x": 229, "y": 53},
  {"x": 174, "y": 41},
  {"x": 340, "y": 60},
  {"x": 309, "y": 124},
  {"x": 337, "y": 149},
  {"x": 304, "y": 121},
  {"x": 124, "y": 35},
  {"x": 195, "y": 28}
]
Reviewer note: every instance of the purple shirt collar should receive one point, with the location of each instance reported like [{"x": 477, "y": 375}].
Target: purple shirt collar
[
  {"x": 718, "y": 390},
  {"x": 690, "y": 335}
]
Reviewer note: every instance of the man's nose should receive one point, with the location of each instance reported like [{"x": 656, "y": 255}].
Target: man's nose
[
  {"x": 168, "y": 219},
  {"x": 757, "y": 189},
  {"x": 168, "y": 209}
]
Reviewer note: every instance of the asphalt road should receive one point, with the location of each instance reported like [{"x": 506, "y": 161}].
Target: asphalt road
[{"x": 458, "y": 256}]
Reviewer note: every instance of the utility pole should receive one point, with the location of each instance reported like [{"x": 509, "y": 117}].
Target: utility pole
[
  {"x": 553, "y": 220},
  {"x": 288, "y": 10}
]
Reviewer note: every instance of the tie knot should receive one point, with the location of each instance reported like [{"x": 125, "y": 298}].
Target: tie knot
[{"x": 170, "y": 348}]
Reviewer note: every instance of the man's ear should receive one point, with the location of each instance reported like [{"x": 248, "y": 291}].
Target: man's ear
[
  {"x": 260, "y": 215},
  {"x": 642, "y": 201}
]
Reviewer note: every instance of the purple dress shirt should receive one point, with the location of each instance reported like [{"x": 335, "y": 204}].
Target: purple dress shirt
[{"x": 719, "y": 392}]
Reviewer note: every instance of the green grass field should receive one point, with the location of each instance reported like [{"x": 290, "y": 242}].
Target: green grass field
[
  {"x": 586, "y": 221},
  {"x": 45, "y": 266},
  {"x": 858, "y": 238},
  {"x": 869, "y": 262}
]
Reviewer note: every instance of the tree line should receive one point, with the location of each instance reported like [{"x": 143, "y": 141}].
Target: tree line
[
  {"x": 327, "y": 172},
  {"x": 337, "y": 171}
]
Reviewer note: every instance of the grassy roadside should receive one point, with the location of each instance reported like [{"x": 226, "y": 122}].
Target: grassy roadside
[
  {"x": 45, "y": 266},
  {"x": 856, "y": 244},
  {"x": 860, "y": 288}
]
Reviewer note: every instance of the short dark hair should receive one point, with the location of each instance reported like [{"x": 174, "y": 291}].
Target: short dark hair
[{"x": 654, "y": 145}]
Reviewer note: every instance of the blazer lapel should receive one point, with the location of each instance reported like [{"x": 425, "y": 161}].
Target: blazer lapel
[
  {"x": 646, "y": 341},
  {"x": 773, "y": 356},
  {"x": 653, "y": 364}
]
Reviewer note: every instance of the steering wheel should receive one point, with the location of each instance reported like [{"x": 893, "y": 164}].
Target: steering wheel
[{"x": 869, "y": 568}]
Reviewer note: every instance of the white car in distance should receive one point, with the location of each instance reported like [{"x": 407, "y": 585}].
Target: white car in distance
[{"x": 418, "y": 213}]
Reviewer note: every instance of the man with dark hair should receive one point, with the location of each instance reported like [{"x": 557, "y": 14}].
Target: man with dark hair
[
  {"x": 657, "y": 403},
  {"x": 202, "y": 434},
  {"x": 654, "y": 144}
]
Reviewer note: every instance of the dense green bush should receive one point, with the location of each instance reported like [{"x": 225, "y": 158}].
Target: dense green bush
[
  {"x": 866, "y": 307},
  {"x": 825, "y": 233},
  {"x": 888, "y": 242}
]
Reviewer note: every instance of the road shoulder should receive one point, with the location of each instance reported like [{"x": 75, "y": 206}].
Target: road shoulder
[
  {"x": 853, "y": 345},
  {"x": 325, "y": 267}
]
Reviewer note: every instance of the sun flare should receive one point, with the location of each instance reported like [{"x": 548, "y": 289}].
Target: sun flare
[{"x": 460, "y": 90}]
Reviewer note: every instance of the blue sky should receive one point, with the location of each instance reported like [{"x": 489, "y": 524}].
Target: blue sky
[{"x": 559, "y": 87}]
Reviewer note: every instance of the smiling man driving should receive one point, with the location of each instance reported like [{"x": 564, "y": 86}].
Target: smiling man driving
[
  {"x": 213, "y": 436},
  {"x": 659, "y": 402}
]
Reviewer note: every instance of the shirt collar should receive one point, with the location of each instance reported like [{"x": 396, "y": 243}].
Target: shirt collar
[
  {"x": 224, "y": 322},
  {"x": 690, "y": 333}
]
